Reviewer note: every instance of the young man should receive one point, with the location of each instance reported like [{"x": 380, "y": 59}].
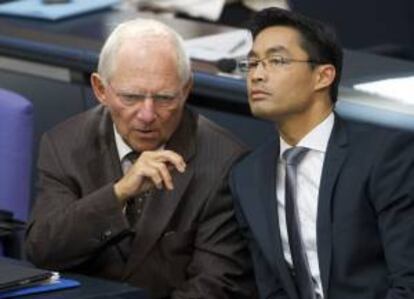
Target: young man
[
  {"x": 136, "y": 189},
  {"x": 327, "y": 205}
]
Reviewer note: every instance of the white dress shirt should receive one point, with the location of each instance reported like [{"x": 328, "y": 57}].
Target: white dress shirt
[
  {"x": 123, "y": 149},
  {"x": 309, "y": 172}
]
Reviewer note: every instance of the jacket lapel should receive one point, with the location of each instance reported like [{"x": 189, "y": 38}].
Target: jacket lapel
[
  {"x": 102, "y": 163},
  {"x": 162, "y": 206},
  {"x": 263, "y": 212},
  {"x": 334, "y": 159}
]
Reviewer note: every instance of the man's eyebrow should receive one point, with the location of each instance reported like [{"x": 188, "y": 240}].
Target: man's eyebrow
[
  {"x": 277, "y": 50},
  {"x": 270, "y": 51},
  {"x": 127, "y": 92}
]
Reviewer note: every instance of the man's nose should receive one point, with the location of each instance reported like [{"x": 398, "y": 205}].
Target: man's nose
[
  {"x": 258, "y": 73},
  {"x": 146, "y": 112}
]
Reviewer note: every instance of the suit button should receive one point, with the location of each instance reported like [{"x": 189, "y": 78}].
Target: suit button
[{"x": 106, "y": 235}]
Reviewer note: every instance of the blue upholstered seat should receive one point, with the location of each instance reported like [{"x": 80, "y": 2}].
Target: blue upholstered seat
[{"x": 16, "y": 137}]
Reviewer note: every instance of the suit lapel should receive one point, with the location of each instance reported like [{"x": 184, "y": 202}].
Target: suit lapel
[
  {"x": 103, "y": 162},
  {"x": 334, "y": 159},
  {"x": 162, "y": 206},
  {"x": 266, "y": 225},
  {"x": 263, "y": 212}
]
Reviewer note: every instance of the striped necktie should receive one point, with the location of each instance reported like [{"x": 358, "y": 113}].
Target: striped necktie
[{"x": 302, "y": 275}]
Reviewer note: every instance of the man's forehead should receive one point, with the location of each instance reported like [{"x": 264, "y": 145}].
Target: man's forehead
[{"x": 275, "y": 40}]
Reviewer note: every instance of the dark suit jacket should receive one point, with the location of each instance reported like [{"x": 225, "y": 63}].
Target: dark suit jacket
[
  {"x": 365, "y": 223},
  {"x": 187, "y": 242}
]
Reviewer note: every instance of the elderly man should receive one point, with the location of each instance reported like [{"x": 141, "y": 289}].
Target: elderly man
[{"x": 136, "y": 189}]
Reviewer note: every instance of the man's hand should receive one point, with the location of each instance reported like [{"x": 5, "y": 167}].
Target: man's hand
[{"x": 151, "y": 168}]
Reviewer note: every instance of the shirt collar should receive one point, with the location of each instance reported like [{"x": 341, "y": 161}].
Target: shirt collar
[
  {"x": 317, "y": 139},
  {"x": 121, "y": 146}
]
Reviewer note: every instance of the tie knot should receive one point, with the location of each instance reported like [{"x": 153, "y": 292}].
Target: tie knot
[
  {"x": 294, "y": 155},
  {"x": 132, "y": 156}
]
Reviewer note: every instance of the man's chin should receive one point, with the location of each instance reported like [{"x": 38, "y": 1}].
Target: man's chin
[
  {"x": 145, "y": 144},
  {"x": 262, "y": 113}
]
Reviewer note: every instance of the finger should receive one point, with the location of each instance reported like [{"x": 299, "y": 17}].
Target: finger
[
  {"x": 165, "y": 174},
  {"x": 146, "y": 173},
  {"x": 166, "y": 156},
  {"x": 173, "y": 158},
  {"x": 154, "y": 175}
]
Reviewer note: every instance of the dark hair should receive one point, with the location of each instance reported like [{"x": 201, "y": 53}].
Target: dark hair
[{"x": 317, "y": 39}]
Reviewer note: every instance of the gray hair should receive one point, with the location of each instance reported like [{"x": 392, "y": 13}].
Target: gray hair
[{"x": 141, "y": 28}]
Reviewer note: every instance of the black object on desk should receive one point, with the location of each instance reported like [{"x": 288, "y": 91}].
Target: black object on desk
[
  {"x": 21, "y": 280},
  {"x": 90, "y": 288},
  {"x": 13, "y": 276}
]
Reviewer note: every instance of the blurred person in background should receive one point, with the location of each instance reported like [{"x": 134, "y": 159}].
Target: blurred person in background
[{"x": 228, "y": 12}]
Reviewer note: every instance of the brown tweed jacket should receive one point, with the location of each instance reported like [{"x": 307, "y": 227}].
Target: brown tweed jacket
[{"x": 186, "y": 244}]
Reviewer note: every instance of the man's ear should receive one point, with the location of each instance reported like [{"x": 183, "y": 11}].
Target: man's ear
[
  {"x": 99, "y": 88},
  {"x": 325, "y": 75}
]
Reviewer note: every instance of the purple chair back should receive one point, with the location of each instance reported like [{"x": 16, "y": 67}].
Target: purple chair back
[{"x": 16, "y": 136}]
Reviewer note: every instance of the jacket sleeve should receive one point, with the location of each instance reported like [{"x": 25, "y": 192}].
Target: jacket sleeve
[
  {"x": 220, "y": 267},
  {"x": 267, "y": 282},
  {"x": 392, "y": 194},
  {"x": 63, "y": 230}
]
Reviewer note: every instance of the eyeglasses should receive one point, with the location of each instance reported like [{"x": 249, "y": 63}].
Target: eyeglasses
[
  {"x": 272, "y": 63},
  {"x": 162, "y": 99}
]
